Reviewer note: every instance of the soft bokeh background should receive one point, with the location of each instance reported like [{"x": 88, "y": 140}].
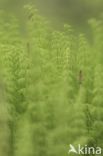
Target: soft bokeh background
[{"x": 74, "y": 12}]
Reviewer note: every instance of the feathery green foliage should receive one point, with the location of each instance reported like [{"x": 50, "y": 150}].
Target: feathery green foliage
[{"x": 50, "y": 87}]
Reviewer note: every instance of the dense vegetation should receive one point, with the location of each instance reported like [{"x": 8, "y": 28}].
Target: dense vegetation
[{"x": 51, "y": 89}]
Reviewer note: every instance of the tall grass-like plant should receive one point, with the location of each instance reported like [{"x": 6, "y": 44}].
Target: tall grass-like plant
[
  {"x": 50, "y": 87},
  {"x": 4, "y": 117}
]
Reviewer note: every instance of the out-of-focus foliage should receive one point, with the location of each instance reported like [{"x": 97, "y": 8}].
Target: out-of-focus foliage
[
  {"x": 50, "y": 87},
  {"x": 59, "y": 12}
]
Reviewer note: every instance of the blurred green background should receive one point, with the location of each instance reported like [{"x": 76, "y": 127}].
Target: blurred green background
[{"x": 74, "y": 12}]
